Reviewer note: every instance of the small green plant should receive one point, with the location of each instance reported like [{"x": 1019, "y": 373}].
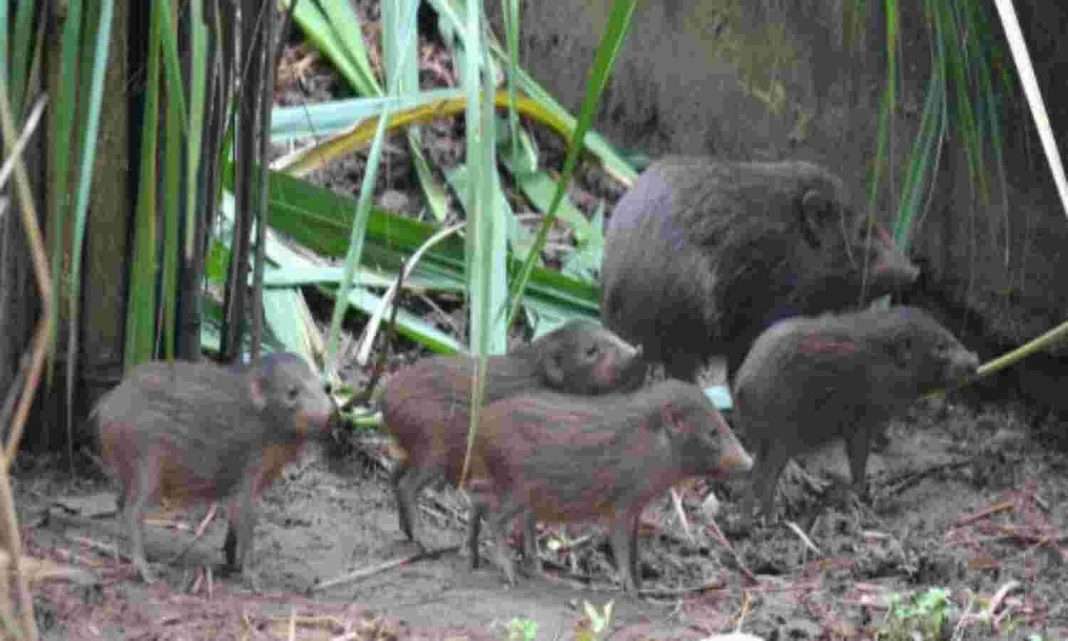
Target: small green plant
[
  {"x": 594, "y": 624},
  {"x": 919, "y": 616},
  {"x": 522, "y": 629}
]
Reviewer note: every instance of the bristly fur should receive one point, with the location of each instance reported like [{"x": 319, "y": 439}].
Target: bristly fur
[{"x": 701, "y": 256}]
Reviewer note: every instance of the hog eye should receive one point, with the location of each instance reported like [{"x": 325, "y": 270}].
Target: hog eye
[
  {"x": 591, "y": 351},
  {"x": 292, "y": 393}
]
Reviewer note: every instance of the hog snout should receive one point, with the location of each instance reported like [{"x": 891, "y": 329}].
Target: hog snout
[
  {"x": 963, "y": 365},
  {"x": 321, "y": 416},
  {"x": 638, "y": 352},
  {"x": 733, "y": 460},
  {"x": 626, "y": 350},
  {"x": 893, "y": 266}
]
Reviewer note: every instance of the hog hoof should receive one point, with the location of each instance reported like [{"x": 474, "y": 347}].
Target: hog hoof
[
  {"x": 147, "y": 575},
  {"x": 251, "y": 582},
  {"x": 531, "y": 566}
]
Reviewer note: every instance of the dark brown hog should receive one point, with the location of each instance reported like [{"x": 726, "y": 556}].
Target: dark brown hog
[
  {"x": 809, "y": 380},
  {"x": 561, "y": 458},
  {"x": 701, "y": 256},
  {"x": 425, "y": 406},
  {"x": 200, "y": 432}
]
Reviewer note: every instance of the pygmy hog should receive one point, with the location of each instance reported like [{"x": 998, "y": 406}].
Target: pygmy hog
[
  {"x": 808, "y": 380},
  {"x": 426, "y": 406},
  {"x": 562, "y": 458},
  {"x": 197, "y": 431},
  {"x": 701, "y": 256}
]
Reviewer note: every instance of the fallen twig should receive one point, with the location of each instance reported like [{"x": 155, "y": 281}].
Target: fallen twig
[
  {"x": 982, "y": 514},
  {"x": 804, "y": 538},
  {"x": 998, "y": 598},
  {"x": 718, "y": 533},
  {"x": 676, "y": 501},
  {"x": 900, "y": 483},
  {"x": 111, "y": 550},
  {"x": 197, "y": 534},
  {"x": 717, "y": 584},
  {"x": 382, "y": 567}
]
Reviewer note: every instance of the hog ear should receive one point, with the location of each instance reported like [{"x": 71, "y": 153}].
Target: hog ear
[
  {"x": 814, "y": 208},
  {"x": 554, "y": 368},
  {"x": 257, "y": 392},
  {"x": 901, "y": 352},
  {"x": 671, "y": 418}
]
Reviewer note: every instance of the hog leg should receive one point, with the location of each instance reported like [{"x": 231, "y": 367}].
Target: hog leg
[
  {"x": 682, "y": 365},
  {"x": 857, "y": 445},
  {"x": 132, "y": 505},
  {"x": 767, "y": 475},
  {"x": 408, "y": 481},
  {"x": 238, "y": 544},
  {"x": 479, "y": 509},
  {"x": 623, "y": 536},
  {"x": 531, "y": 560},
  {"x": 497, "y": 524}
]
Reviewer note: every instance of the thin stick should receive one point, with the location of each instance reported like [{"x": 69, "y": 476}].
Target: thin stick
[
  {"x": 718, "y": 533},
  {"x": 676, "y": 501},
  {"x": 999, "y": 596},
  {"x": 683, "y": 591},
  {"x": 197, "y": 534},
  {"x": 804, "y": 538},
  {"x": 111, "y": 550},
  {"x": 378, "y": 569},
  {"x": 982, "y": 514},
  {"x": 39, "y": 346}
]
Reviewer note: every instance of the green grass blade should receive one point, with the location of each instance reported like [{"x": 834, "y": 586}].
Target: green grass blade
[
  {"x": 346, "y": 27},
  {"x": 289, "y": 321},
  {"x": 510, "y": 11},
  {"x": 172, "y": 62},
  {"x": 5, "y": 28},
  {"x": 405, "y": 77},
  {"x": 359, "y": 224},
  {"x": 141, "y": 304},
  {"x": 408, "y": 84},
  {"x": 63, "y": 110},
  {"x": 518, "y": 238},
  {"x": 337, "y": 34},
  {"x": 318, "y": 219},
  {"x": 486, "y": 273},
  {"x": 20, "y": 54},
  {"x": 171, "y": 201},
  {"x": 611, "y": 41},
  {"x": 1025, "y": 70},
  {"x": 957, "y": 66},
  {"x": 918, "y": 168},
  {"x": 611, "y": 159},
  {"x": 294, "y": 275},
  {"x": 585, "y": 262},
  {"x": 540, "y": 189},
  {"x": 85, "y": 174},
  {"x": 287, "y": 268},
  {"x": 322, "y": 119},
  {"x": 198, "y": 48}
]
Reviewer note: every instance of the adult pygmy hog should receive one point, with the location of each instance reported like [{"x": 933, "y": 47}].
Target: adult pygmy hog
[
  {"x": 808, "y": 380},
  {"x": 426, "y": 406},
  {"x": 563, "y": 458},
  {"x": 198, "y": 431},
  {"x": 701, "y": 256}
]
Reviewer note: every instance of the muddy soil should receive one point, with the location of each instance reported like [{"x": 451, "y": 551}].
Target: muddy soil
[{"x": 968, "y": 500}]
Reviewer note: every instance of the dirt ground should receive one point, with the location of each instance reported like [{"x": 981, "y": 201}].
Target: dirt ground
[
  {"x": 971, "y": 500},
  {"x": 966, "y": 498}
]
